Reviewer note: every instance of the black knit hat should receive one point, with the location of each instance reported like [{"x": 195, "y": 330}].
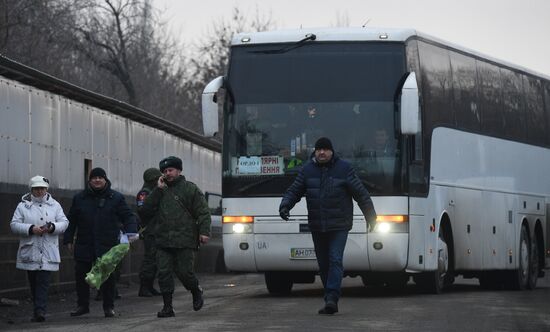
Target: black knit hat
[
  {"x": 324, "y": 143},
  {"x": 170, "y": 162},
  {"x": 98, "y": 171}
]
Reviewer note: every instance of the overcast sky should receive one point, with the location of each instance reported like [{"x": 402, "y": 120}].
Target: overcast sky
[{"x": 517, "y": 31}]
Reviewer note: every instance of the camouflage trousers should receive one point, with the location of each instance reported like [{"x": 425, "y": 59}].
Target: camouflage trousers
[
  {"x": 148, "y": 269},
  {"x": 178, "y": 261}
]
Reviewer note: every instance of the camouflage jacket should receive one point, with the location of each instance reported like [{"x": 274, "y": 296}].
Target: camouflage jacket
[{"x": 174, "y": 225}]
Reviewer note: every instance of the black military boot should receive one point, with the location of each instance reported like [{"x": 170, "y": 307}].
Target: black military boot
[
  {"x": 167, "y": 310},
  {"x": 197, "y": 298}
]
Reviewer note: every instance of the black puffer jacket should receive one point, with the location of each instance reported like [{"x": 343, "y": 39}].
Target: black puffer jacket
[
  {"x": 329, "y": 189},
  {"x": 97, "y": 219}
]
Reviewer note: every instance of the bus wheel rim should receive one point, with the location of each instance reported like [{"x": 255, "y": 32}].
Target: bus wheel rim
[{"x": 524, "y": 257}]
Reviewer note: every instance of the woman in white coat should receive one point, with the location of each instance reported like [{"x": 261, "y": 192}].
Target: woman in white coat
[{"x": 38, "y": 220}]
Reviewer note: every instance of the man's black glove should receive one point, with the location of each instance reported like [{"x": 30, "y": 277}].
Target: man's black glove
[{"x": 283, "y": 212}]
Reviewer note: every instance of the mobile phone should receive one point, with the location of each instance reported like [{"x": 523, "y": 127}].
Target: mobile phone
[{"x": 46, "y": 226}]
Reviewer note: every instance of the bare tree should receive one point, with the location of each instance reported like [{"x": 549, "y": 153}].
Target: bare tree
[
  {"x": 33, "y": 32},
  {"x": 107, "y": 33},
  {"x": 214, "y": 49},
  {"x": 126, "y": 39},
  {"x": 11, "y": 17}
]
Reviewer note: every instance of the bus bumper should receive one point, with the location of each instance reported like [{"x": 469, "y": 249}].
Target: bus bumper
[
  {"x": 239, "y": 252},
  {"x": 388, "y": 251},
  {"x": 294, "y": 252}
]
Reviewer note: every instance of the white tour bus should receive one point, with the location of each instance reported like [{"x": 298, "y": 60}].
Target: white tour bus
[{"x": 453, "y": 146}]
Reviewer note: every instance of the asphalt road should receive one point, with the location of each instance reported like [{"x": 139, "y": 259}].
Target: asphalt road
[{"x": 239, "y": 302}]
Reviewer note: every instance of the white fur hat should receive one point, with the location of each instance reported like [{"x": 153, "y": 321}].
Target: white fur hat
[{"x": 39, "y": 181}]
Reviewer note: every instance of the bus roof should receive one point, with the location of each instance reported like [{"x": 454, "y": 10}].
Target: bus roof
[
  {"x": 359, "y": 34},
  {"x": 324, "y": 34}
]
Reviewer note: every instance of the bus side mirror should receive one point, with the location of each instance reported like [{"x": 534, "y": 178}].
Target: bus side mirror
[
  {"x": 210, "y": 107},
  {"x": 410, "y": 109}
]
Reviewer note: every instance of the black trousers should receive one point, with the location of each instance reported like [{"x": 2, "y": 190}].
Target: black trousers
[
  {"x": 39, "y": 281},
  {"x": 83, "y": 289}
]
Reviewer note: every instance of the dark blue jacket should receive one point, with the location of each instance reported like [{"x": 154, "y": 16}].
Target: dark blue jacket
[
  {"x": 97, "y": 219},
  {"x": 329, "y": 189}
]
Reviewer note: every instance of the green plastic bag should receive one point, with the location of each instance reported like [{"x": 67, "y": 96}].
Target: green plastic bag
[{"x": 106, "y": 264}]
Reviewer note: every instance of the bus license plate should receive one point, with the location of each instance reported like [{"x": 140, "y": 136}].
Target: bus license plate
[{"x": 302, "y": 253}]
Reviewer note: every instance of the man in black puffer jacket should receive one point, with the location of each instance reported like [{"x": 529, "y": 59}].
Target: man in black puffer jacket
[
  {"x": 97, "y": 215},
  {"x": 329, "y": 184}
]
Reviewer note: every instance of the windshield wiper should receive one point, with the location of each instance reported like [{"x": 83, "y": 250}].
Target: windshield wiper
[{"x": 309, "y": 36}]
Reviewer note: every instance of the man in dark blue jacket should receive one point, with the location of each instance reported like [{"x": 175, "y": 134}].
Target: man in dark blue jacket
[
  {"x": 97, "y": 215},
  {"x": 329, "y": 184}
]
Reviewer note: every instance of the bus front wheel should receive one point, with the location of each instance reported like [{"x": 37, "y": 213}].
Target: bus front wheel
[
  {"x": 278, "y": 283},
  {"x": 434, "y": 281}
]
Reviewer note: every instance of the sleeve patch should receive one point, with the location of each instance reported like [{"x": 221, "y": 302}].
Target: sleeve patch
[{"x": 141, "y": 196}]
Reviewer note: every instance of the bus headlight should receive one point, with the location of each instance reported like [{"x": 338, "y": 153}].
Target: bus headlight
[
  {"x": 392, "y": 224},
  {"x": 239, "y": 228},
  {"x": 383, "y": 227},
  {"x": 240, "y": 224}
]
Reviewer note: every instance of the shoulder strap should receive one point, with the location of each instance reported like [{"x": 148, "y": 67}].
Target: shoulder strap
[{"x": 177, "y": 199}]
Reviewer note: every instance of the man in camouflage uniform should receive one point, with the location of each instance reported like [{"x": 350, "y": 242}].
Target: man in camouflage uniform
[
  {"x": 182, "y": 222},
  {"x": 148, "y": 269}
]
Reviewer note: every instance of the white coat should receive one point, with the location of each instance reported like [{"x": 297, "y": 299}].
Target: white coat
[{"x": 38, "y": 252}]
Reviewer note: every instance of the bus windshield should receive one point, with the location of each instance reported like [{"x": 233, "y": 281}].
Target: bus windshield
[{"x": 280, "y": 104}]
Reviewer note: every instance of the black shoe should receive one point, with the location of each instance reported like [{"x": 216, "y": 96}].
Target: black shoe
[
  {"x": 330, "y": 308},
  {"x": 38, "y": 318},
  {"x": 79, "y": 311},
  {"x": 109, "y": 312},
  {"x": 197, "y": 298},
  {"x": 167, "y": 310}
]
